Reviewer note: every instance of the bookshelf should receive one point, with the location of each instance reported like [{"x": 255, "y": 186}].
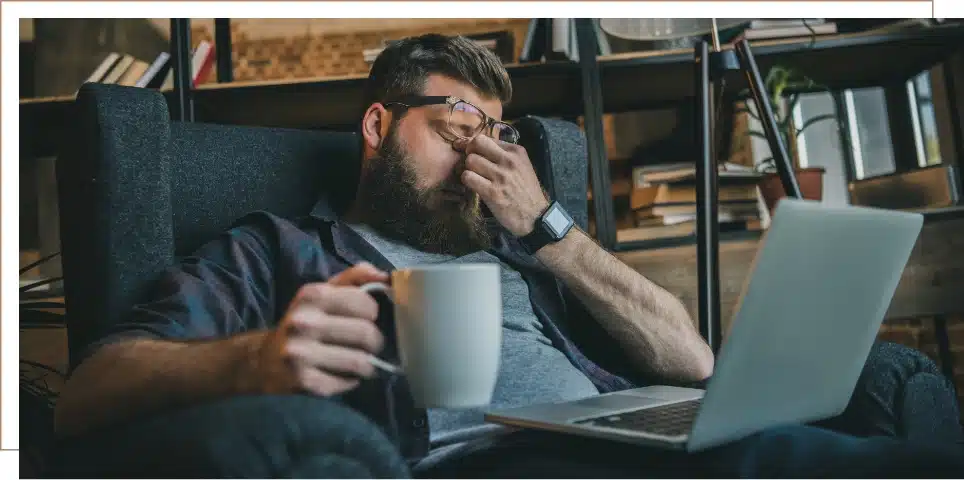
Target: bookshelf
[{"x": 630, "y": 81}]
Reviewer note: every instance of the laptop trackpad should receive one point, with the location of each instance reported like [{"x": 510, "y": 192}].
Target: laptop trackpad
[{"x": 616, "y": 402}]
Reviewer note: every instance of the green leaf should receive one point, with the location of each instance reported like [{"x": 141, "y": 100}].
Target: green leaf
[
  {"x": 30, "y": 286},
  {"x": 747, "y": 110},
  {"x": 753, "y": 133},
  {"x": 41, "y": 304},
  {"x": 38, "y": 262}
]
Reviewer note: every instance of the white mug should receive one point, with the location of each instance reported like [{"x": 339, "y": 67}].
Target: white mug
[{"x": 448, "y": 324}]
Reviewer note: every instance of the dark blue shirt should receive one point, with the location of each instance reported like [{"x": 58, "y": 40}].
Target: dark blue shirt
[{"x": 244, "y": 279}]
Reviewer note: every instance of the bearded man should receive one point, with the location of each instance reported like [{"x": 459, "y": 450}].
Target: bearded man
[{"x": 252, "y": 356}]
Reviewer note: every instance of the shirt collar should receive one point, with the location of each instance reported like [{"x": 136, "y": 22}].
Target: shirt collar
[{"x": 348, "y": 244}]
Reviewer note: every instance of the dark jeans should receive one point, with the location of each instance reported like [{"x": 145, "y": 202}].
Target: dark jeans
[{"x": 901, "y": 401}]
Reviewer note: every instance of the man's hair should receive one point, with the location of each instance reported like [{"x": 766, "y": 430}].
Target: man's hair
[{"x": 404, "y": 66}]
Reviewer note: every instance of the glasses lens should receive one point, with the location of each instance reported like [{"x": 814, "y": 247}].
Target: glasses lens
[
  {"x": 466, "y": 120},
  {"x": 505, "y": 132}
]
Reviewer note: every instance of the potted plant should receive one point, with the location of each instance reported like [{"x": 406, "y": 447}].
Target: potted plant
[{"x": 778, "y": 80}]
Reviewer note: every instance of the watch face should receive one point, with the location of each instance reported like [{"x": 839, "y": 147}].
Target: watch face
[{"x": 557, "y": 220}]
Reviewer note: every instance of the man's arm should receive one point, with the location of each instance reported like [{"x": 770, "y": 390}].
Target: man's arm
[
  {"x": 647, "y": 321},
  {"x": 133, "y": 377},
  {"x": 650, "y": 323},
  {"x": 157, "y": 360}
]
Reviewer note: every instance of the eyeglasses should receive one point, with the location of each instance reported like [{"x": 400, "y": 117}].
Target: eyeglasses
[{"x": 465, "y": 120}]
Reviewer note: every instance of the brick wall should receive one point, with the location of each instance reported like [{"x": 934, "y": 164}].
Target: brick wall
[
  {"x": 919, "y": 333},
  {"x": 293, "y": 50}
]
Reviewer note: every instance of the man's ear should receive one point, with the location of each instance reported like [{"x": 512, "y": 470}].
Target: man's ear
[{"x": 375, "y": 125}]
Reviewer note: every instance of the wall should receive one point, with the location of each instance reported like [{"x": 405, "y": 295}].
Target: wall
[{"x": 290, "y": 49}]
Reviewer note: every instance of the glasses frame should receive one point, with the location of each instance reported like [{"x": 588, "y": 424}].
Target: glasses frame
[{"x": 488, "y": 123}]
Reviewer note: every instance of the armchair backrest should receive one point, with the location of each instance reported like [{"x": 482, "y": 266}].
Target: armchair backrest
[{"x": 137, "y": 190}]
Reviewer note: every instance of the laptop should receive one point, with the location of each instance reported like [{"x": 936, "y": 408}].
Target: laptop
[{"x": 817, "y": 292}]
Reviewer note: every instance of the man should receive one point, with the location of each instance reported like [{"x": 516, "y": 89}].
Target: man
[{"x": 245, "y": 355}]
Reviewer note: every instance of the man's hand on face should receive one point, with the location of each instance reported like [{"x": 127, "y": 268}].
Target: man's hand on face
[
  {"x": 502, "y": 175},
  {"x": 323, "y": 343}
]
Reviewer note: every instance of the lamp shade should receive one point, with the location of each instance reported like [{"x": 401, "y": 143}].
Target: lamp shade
[{"x": 664, "y": 28}]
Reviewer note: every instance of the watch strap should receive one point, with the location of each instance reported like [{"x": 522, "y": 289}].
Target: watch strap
[{"x": 541, "y": 234}]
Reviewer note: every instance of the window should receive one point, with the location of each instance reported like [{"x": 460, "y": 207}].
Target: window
[
  {"x": 863, "y": 114},
  {"x": 873, "y": 152}
]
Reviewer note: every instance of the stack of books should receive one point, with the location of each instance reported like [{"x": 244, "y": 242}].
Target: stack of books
[
  {"x": 788, "y": 28},
  {"x": 663, "y": 201},
  {"x": 125, "y": 69}
]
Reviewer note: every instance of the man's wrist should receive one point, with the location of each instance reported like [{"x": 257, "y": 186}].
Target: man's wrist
[
  {"x": 550, "y": 226},
  {"x": 534, "y": 223},
  {"x": 565, "y": 248}
]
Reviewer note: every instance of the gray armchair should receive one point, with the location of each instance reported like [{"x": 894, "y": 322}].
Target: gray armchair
[{"x": 138, "y": 190}]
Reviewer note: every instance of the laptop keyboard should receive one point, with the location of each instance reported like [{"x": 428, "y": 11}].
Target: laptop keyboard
[{"x": 672, "y": 420}]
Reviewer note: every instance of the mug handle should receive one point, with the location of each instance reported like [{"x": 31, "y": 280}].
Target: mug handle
[{"x": 375, "y": 361}]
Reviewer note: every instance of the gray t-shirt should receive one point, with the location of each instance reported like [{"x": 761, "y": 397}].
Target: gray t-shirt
[{"x": 532, "y": 370}]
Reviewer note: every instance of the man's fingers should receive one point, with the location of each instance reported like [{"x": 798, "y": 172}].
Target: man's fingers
[
  {"x": 487, "y": 147},
  {"x": 332, "y": 359},
  {"x": 477, "y": 183},
  {"x": 334, "y": 300},
  {"x": 343, "y": 331},
  {"x": 359, "y": 275},
  {"x": 482, "y": 166},
  {"x": 317, "y": 382}
]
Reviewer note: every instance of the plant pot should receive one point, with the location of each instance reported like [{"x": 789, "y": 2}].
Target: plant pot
[{"x": 810, "y": 180}]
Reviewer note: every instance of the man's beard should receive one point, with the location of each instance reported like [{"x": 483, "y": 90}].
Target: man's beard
[{"x": 429, "y": 220}]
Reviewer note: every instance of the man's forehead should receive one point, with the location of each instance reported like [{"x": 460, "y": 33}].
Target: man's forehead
[{"x": 447, "y": 86}]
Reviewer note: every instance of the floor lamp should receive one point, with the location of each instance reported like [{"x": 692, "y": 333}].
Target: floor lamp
[{"x": 711, "y": 66}]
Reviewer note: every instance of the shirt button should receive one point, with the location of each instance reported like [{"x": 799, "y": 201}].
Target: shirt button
[{"x": 418, "y": 423}]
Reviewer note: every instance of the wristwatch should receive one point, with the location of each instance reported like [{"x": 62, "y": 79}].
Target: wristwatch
[{"x": 550, "y": 227}]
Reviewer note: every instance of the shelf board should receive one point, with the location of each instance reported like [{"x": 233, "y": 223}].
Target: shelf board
[
  {"x": 631, "y": 81},
  {"x": 644, "y": 80},
  {"x": 684, "y": 240}
]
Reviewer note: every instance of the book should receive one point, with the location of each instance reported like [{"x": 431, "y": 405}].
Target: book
[
  {"x": 561, "y": 47},
  {"x": 728, "y": 209},
  {"x": 685, "y": 192},
  {"x": 202, "y": 62},
  {"x": 761, "y": 23},
  {"x": 788, "y": 32},
  {"x": 154, "y": 76},
  {"x": 119, "y": 68},
  {"x": 134, "y": 72},
  {"x": 168, "y": 83},
  {"x": 103, "y": 68},
  {"x": 528, "y": 44},
  {"x": 686, "y": 171}
]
